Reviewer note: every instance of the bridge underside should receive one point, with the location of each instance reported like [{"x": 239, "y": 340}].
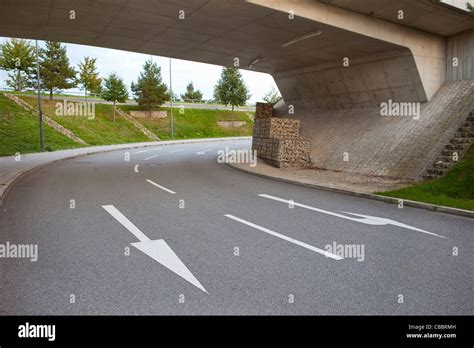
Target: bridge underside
[
  {"x": 363, "y": 55},
  {"x": 212, "y": 32}
]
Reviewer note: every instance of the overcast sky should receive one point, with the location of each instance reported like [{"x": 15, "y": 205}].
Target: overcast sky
[
  {"x": 204, "y": 76},
  {"x": 458, "y": 3}
]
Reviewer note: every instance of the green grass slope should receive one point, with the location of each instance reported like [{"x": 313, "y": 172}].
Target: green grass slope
[
  {"x": 98, "y": 131},
  {"x": 455, "y": 189},
  {"x": 196, "y": 123},
  {"x": 19, "y": 131}
]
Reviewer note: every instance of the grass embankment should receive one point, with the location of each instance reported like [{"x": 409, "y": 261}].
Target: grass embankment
[
  {"x": 455, "y": 189},
  {"x": 101, "y": 130},
  {"x": 196, "y": 123},
  {"x": 19, "y": 131}
]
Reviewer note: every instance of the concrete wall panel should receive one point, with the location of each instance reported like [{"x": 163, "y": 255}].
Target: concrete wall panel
[
  {"x": 373, "y": 75},
  {"x": 403, "y": 94},
  {"x": 353, "y": 80},
  {"x": 461, "y": 47},
  {"x": 381, "y": 95},
  {"x": 334, "y": 81},
  {"x": 362, "y": 84},
  {"x": 359, "y": 98},
  {"x": 397, "y": 72}
]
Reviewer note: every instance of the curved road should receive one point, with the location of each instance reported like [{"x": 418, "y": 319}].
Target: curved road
[{"x": 254, "y": 245}]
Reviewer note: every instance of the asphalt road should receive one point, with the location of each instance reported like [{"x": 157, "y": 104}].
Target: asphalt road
[{"x": 251, "y": 254}]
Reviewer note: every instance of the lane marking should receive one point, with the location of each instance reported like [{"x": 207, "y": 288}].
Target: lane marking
[
  {"x": 135, "y": 169},
  {"x": 146, "y": 159},
  {"x": 161, "y": 187},
  {"x": 176, "y": 151},
  {"x": 288, "y": 239},
  {"x": 158, "y": 249},
  {"x": 126, "y": 222},
  {"x": 202, "y": 152},
  {"x": 363, "y": 219},
  {"x": 148, "y": 150}
]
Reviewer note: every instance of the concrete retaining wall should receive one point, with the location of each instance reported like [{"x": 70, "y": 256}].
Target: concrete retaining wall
[
  {"x": 363, "y": 141},
  {"x": 365, "y": 83},
  {"x": 461, "y": 47}
]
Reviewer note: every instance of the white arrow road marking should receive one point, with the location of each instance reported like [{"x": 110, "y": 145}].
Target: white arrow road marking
[
  {"x": 288, "y": 239},
  {"x": 136, "y": 168},
  {"x": 363, "y": 219},
  {"x": 161, "y": 252},
  {"x": 126, "y": 223},
  {"x": 146, "y": 159},
  {"x": 142, "y": 151},
  {"x": 158, "y": 250},
  {"x": 202, "y": 152},
  {"x": 161, "y": 187},
  {"x": 395, "y": 223}
]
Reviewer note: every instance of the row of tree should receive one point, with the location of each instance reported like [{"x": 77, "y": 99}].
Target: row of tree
[
  {"x": 18, "y": 57},
  {"x": 151, "y": 92}
]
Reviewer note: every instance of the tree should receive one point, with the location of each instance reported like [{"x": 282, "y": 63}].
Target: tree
[
  {"x": 55, "y": 71},
  {"x": 150, "y": 90},
  {"x": 18, "y": 55},
  {"x": 114, "y": 90},
  {"x": 231, "y": 88},
  {"x": 88, "y": 76},
  {"x": 272, "y": 96},
  {"x": 470, "y": 8},
  {"x": 19, "y": 81},
  {"x": 191, "y": 94}
]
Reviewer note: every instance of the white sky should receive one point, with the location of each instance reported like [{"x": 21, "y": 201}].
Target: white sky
[
  {"x": 204, "y": 76},
  {"x": 458, "y": 3}
]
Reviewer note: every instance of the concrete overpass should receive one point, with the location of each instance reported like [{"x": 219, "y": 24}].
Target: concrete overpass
[{"x": 396, "y": 50}]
